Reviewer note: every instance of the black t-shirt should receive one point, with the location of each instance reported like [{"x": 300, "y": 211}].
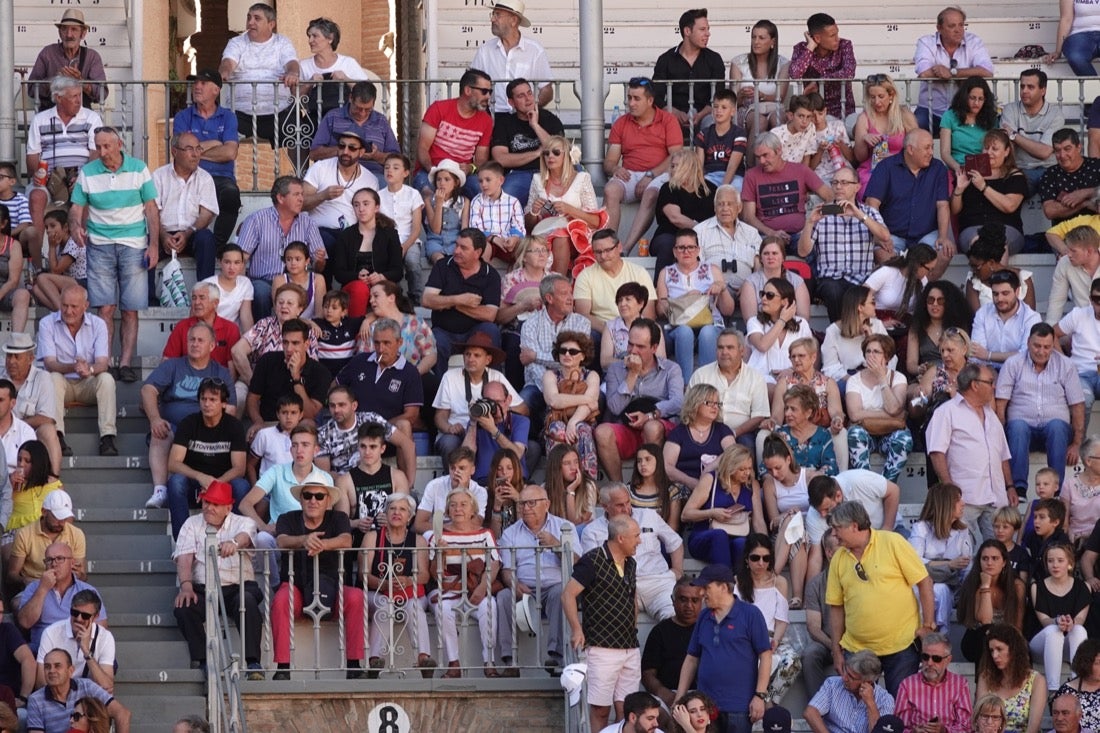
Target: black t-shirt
[
  {"x": 209, "y": 448},
  {"x": 271, "y": 380},
  {"x": 978, "y": 210},
  {"x": 293, "y": 523},
  {"x": 693, "y": 204},
  {"x": 665, "y": 649},
  {"x": 447, "y": 278},
  {"x": 519, "y": 137},
  {"x": 371, "y": 491},
  {"x": 11, "y": 673}
]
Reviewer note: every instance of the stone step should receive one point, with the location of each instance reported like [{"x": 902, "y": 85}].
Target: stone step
[
  {"x": 168, "y": 655},
  {"x": 155, "y": 600},
  {"x": 113, "y": 520},
  {"x": 127, "y": 496},
  {"x": 128, "y": 442},
  {"x": 144, "y": 547}
]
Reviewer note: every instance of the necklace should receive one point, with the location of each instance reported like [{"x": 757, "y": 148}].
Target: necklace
[{"x": 354, "y": 178}]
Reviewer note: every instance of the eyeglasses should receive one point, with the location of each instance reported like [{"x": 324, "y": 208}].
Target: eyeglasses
[
  {"x": 685, "y": 247},
  {"x": 211, "y": 382},
  {"x": 769, "y": 294},
  {"x": 839, "y": 182},
  {"x": 713, "y": 403},
  {"x": 604, "y": 251},
  {"x": 82, "y": 615},
  {"x": 105, "y": 128},
  {"x": 933, "y": 657},
  {"x": 76, "y": 717},
  {"x": 990, "y": 716},
  {"x": 548, "y": 153},
  {"x": 861, "y": 572},
  {"x": 760, "y": 558},
  {"x": 189, "y": 148},
  {"x": 5, "y": 175},
  {"x": 990, "y": 382},
  {"x": 310, "y": 496},
  {"x": 933, "y": 300},
  {"x": 345, "y": 146},
  {"x": 530, "y": 503},
  {"x": 570, "y": 351},
  {"x": 57, "y": 559},
  {"x": 485, "y": 91}
]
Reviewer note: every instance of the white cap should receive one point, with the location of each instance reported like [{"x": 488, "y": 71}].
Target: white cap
[
  {"x": 59, "y": 504},
  {"x": 572, "y": 680}
]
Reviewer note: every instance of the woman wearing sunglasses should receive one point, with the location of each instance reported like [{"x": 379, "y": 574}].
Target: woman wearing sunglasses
[
  {"x": 881, "y": 127},
  {"x": 758, "y": 583},
  {"x": 941, "y": 306},
  {"x": 560, "y": 190},
  {"x": 89, "y": 715},
  {"x": 771, "y": 331},
  {"x": 572, "y": 395}
]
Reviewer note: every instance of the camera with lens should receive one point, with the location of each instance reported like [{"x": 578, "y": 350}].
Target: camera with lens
[{"x": 482, "y": 408}]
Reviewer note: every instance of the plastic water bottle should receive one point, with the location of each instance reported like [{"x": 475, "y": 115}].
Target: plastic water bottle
[
  {"x": 836, "y": 158},
  {"x": 41, "y": 173},
  {"x": 614, "y": 114}
]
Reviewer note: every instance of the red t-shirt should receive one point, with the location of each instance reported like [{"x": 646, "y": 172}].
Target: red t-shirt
[
  {"x": 780, "y": 198},
  {"x": 645, "y": 147},
  {"x": 226, "y": 334},
  {"x": 456, "y": 137}
]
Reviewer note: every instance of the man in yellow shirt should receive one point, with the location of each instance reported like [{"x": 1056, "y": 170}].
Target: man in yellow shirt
[{"x": 870, "y": 595}]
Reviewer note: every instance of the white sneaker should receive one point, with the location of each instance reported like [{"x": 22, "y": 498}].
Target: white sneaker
[{"x": 159, "y": 498}]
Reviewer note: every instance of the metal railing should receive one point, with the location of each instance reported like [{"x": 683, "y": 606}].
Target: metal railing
[{"x": 224, "y": 709}]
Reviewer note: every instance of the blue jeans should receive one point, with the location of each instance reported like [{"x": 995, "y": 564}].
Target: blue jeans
[
  {"x": 444, "y": 339},
  {"x": 903, "y": 243},
  {"x": 716, "y": 177},
  {"x": 1054, "y": 436},
  {"x": 923, "y": 122},
  {"x": 204, "y": 247},
  {"x": 683, "y": 340},
  {"x": 1090, "y": 385},
  {"x": 183, "y": 494},
  {"x": 1080, "y": 49},
  {"x": 518, "y": 183},
  {"x": 261, "y": 298}
]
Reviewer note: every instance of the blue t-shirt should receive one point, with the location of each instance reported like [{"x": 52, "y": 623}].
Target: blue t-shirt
[
  {"x": 693, "y": 456},
  {"x": 487, "y": 447},
  {"x": 728, "y": 655},
  {"x": 177, "y": 382},
  {"x": 222, "y": 126}
]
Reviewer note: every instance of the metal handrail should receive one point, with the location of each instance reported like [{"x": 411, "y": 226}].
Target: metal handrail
[{"x": 224, "y": 708}]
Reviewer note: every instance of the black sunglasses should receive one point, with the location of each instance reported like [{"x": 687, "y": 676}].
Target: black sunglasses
[
  {"x": 570, "y": 351},
  {"x": 82, "y": 615},
  {"x": 861, "y": 572},
  {"x": 76, "y": 717},
  {"x": 759, "y": 558},
  {"x": 310, "y": 496},
  {"x": 926, "y": 657}
]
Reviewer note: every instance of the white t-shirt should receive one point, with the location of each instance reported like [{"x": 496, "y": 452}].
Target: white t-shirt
[
  {"x": 229, "y": 307},
  {"x": 348, "y": 65},
  {"x": 59, "y": 635},
  {"x": 435, "y": 495},
  {"x": 872, "y": 396},
  {"x": 401, "y": 207},
  {"x": 889, "y": 286},
  {"x": 452, "y": 394},
  {"x": 1085, "y": 330},
  {"x": 777, "y": 358},
  {"x": 272, "y": 446},
  {"x": 336, "y": 213},
  {"x": 259, "y": 62},
  {"x": 857, "y": 484}
]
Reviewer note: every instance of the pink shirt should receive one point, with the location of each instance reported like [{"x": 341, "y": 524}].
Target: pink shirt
[
  {"x": 975, "y": 451},
  {"x": 918, "y": 702}
]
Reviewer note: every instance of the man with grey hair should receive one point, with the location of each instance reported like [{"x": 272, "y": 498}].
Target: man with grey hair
[
  {"x": 831, "y": 710},
  {"x": 935, "y": 700},
  {"x": 63, "y": 138},
  {"x": 550, "y": 314},
  {"x": 205, "y": 297},
  {"x": 606, "y": 578},
  {"x": 115, "y": 216},
  {"x": 263, "y": 233},
  {"x": 967, "y": 446},
  {"x": 384, "y": 379},
  {"x": 70, "y": 58},
  {"x": 1065, "y": 713},
  {"x": 191, "y": 724},
  {"x": 728, "y": 242},
  {"x": 879, "y": 615},
  {"x": 188, "y": 202},
  {"x": 36, "y": 404},
  {"x": 775, "y": 192},
  {"x": 741, "y": 389},
  {"x": 655, "y": 576}
]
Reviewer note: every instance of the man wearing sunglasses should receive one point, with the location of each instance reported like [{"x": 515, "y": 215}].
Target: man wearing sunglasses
[
  {"x": 91, "y": 646},
  {"x": 360, "y": 117},
  {"x": 51, "y": 708},
  {"x": 330, "y": 184},
  {"x": 458, "y": 129},
  {"x": 935, "y": 699},
  {"x": 870, "y": 596},
  {"x": 518, "y": 137}
]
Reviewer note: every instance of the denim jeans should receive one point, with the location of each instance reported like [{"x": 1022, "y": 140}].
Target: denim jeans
[
  {"x": 1054, "y": 437},
  {"x": 1090, "y": 385},
  {"x": 261, "y": 298},
  {"x": 518, "y": 183},
  {"x": 183, "y": 494},
  {"x": 683, "y": 340},
  {"x": 927, "y": 120},
  {"x": 1080, "y": 49},
  {"x": 903, "y": 243}
]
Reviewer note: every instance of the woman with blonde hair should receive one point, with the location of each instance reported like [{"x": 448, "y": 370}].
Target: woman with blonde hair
[
  {"x": 943, "y": 542},
  {"x": 693, "y": 446},
  {"x": 803, "y": 353},
  {"x": 684, "y": 201},
  {"x": 562, "y": 206},
  {"x": 989, "y": 714},
  {"x": 725, "y": 506},
  {"x": 881, "y": 127}
]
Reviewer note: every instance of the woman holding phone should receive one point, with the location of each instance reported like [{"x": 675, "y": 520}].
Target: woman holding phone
[{"x": 993, "y": 195}]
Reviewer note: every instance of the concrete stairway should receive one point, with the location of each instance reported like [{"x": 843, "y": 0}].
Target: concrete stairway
[{"x": 129, "y": 562}]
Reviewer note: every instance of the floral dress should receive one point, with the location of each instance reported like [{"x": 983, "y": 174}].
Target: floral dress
[
  {"x": 1018, "y": 707},
  {"x": 586, "y": 441},
  {"x": 1090, "y": 704},
  {"x": 817, "y": 452},
  {"x": 786, "y": 660}
]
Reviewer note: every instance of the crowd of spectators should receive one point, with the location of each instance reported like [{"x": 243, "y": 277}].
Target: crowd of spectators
[{"x": 304, "y": 362}]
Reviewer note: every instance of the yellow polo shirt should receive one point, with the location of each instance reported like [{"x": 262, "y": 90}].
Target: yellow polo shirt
[{"x": 881, "y": 613}]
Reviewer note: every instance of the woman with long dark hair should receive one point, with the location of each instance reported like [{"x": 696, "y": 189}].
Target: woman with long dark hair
[
  {"x": 1085, "y": 685},
  {"x": 973, "y": 113},
  {"x": 772, "y": 329},
  {"x": 695, "y": 712},
  {"x": 572, "y": 493},
  {"x": 505, "y": 484},
  {"x": 367, "y": 252},
  {"x": 899, "y": 281},
  {"x": 786, "y": 496},
  {"x": 1007, "y": 673},
  {"x": 763, "y": 78},
  {"x": 943, "y": 543},
  {"x": 651, "y": 488},
  {"x": 990, "y": 594},
  {"x": 760, "y": 585},
  {"x": 941, "y": 306}
]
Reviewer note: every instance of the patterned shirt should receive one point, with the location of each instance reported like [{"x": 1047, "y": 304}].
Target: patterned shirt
[
  {"x": 63, "y": 144},
  {"x": 844, "y": 712},
  {"x": 342, "y": 446},
  {"x": 608, "y": 594},
  {"x": 538, "y": 334},
  {"x": 503, "y": 216},
  {"x": 796, "y": 145},
  {"x": 918, "y": 702},
  {"x": 845, "y": 246},
  {"x": 839, "y": 64},
  {"x": 262, "y": 239},
  {"x": 266, "y": 335}
]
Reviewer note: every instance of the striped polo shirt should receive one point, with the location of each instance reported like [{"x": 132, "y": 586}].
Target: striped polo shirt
[
  {"x": 115, "y": 201},
  {"x": 62, "y": 144}
]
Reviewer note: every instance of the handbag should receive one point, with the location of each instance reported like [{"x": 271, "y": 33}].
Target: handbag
[
  {"x": 572, "y": 387},
  {"x": 691, "y": 309},
  {"x": 738, "y": 526}
]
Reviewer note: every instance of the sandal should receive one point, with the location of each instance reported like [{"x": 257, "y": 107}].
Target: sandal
[
  {"x": 795, "y": 604},
  {"x": 491, "y": 671}
]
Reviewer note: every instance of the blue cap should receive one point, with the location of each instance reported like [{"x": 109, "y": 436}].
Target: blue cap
[{"x": 716, "y": 573}]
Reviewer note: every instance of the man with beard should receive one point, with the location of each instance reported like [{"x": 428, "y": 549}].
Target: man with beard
[
  {"x": 935, "y": 699},
  {"x": 331, "y": 183}
]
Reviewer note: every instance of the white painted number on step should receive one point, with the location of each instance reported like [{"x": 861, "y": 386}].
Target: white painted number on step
[{"x": 388, "y": 717}]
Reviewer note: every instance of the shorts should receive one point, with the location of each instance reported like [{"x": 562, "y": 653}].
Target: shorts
[
  {"x": 632, "y": 185},
  {"x": 109, "y": 264},
  {"x": 612, "y": 674},
  {"x": 628, "y": 440},
  {"x": 6, "y": 304}
]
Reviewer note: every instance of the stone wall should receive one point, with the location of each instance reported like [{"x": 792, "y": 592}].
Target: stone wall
[{"x": 472, "y": 711}]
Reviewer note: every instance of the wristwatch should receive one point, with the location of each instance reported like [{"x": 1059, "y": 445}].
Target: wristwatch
[
  {"x": 762, "y": 695},
  {"x": 1012, "y": 136}
]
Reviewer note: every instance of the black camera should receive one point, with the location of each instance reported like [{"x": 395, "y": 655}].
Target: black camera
[
  {"x": 729, "y": 265},
  {"x": 482, "y": 408}
]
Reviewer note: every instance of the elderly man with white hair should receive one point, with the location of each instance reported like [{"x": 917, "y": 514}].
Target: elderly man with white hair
[
  {"x": 655, "y": 577},
  {"x": 205, "y": 297},
  {"x": 726, "y": 241},
  {"x": 188, "y": 202},
  {"x": 36, "y": 404}
]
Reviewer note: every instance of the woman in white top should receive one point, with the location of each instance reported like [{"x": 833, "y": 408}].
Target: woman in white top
[
  {"x": 235, "y": 287},
  {"x": 875, "y": 399},
  {"x": 764, "y": 76},
  {"x": 1078, "y": 24},
  {"x": 566, "y": 194},
  {"x": 842, "y": 351},
  {"x": 944, "y": 544},
  {"x": 986, "y": 256},
  {"x": 787, "y": 495},
  {"x": 899, "y": 282},
  {"x": 773, "y": 254},
  {"x": 327, "y": 65},
  {"x": 759, "y": 584},
  {"x": 772, "y": 329}
]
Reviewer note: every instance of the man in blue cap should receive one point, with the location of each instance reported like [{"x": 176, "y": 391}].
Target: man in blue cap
[{"x": 729, "y": 637}]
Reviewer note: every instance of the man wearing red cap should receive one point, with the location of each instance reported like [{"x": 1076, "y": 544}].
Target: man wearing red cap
[{"x": 233, "y": 532}]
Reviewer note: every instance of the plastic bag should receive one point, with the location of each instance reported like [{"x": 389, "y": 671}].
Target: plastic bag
[{"x": 173, "y": 289}]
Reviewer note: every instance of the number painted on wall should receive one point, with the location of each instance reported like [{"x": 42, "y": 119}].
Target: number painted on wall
[
  {"x": 1034, "y": 26},
  {"x": 388, "y": 717},
  {"x": 891, "y": 27}
]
